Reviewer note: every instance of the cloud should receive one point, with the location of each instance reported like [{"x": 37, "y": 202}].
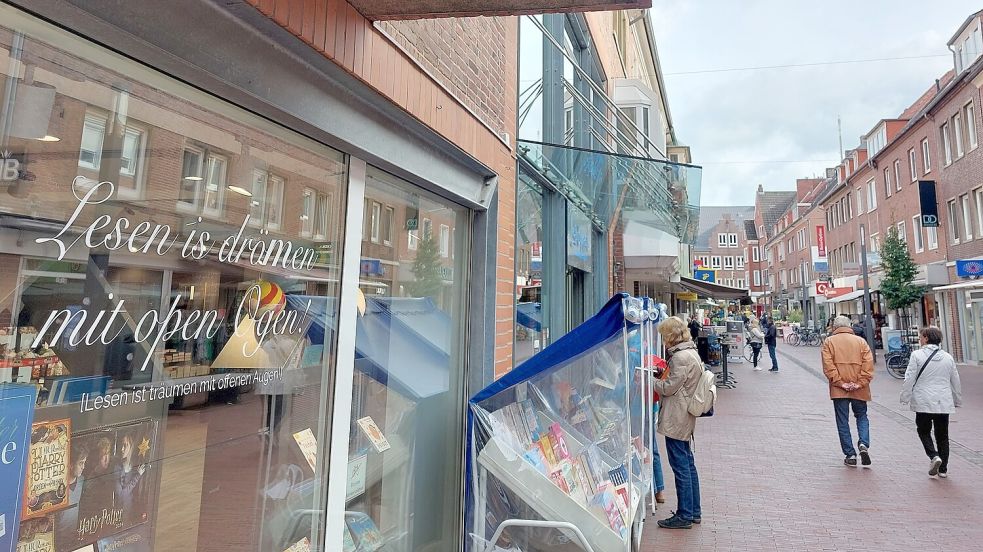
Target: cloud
[{"x": 772, "y": 126}]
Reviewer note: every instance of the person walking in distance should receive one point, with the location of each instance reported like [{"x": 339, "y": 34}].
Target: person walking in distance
[
  {"x": 677, "y": 424},
  {"x": 756, "y": 340},
  {"x": 771, "y": 341},
  {"x": 849, "y": 367},
  {"x": 931, "y": 388}
]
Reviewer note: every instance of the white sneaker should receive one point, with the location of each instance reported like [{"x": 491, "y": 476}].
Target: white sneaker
[
  {"x": 943, "y": 475},
  {"x": 936, "y": 464},
  {"x": 757, "y": 368}
]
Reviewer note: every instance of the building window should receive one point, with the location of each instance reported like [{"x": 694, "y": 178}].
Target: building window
[
  {"x": 946, "y": 145},
  {"x": 912, "y": 169},
  {"x": 871, "y": 195},
  {"x": 860, "y": 201},
  {"x": 728, "y": 263},
  {"x": 387, "y": 225},
  {"x": 266, "y": 204},
  {"x": 715, "y": 261},
  {"x": 740, "y": 283},
  {"x": 755, "y": 254},
  {"x": 967, "y": 216},
  {"x": 953, "y": 222},
  {"x": 916, "y": 231},
  {"x": 721, "y": 240},
  {"x": 926, "y": 157},
  {"x": 757, "y": 278},
  {"x": 970, "y": 113},
  {"x": 740, "y": 261},
  {"x": 978, "y": 198},
  {"x": 897, "y": 175},
  {"x": 202, "y": 185},
  {"x": 427, "y": 229},
  {"x": 957, "y": 131},
  {"x": 376, "y": 222},
  {"x": 903, "y": 232},
  {"x": 932, "y": 235},
  {"x": 93, "y": 134},
  {"x": 732, "y": 240},
  {"x": 445, "y": 241},
  {"x": 887, "y": 183},
  {"x": 314, "y": 218}
]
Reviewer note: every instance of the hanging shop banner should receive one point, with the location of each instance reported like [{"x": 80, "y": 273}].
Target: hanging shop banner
[
  {"x": 821, "y": 240},
  {"x": 687, "y": 296},
  {"x": 17, "y": 406},
  {"x": 969, "y": 268},
  {"x": 705, "y": 275},
  {"x": 822, "y": 288},
  {"x": 834, "y": 292},
  {"x": 579, "y": 232},
  {"x": 929, "y": 206}
]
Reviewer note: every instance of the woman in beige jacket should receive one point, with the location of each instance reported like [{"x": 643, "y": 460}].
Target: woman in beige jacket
[{"x": 677, "y": 424}]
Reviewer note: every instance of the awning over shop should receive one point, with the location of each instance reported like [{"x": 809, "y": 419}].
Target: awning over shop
[
  {"x": 961, "y": 285},
  {"x": 430, "y": 9},
  {"x": 716, "y": 291},
  {"x": 847, "y": 296}
]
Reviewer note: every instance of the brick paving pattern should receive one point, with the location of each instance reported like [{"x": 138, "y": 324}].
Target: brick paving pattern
[{"x": 772, "y": 474}]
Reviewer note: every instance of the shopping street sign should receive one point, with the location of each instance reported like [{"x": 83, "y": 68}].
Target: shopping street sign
[{"x": 969, "y": 268}]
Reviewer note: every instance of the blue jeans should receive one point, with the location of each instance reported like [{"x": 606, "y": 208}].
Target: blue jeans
[
  {"x": 687, "y": 481},
  {"x": 660, "y": 481},
  {"x": 842, "y": 408},
  {"x": 774, "y": 360}
]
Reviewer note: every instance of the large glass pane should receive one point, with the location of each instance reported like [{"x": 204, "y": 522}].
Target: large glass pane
[
  {"x": 408, "y": 399},
  {"x": 176, "y": 359},
  {"x": 530, "y": 329}
]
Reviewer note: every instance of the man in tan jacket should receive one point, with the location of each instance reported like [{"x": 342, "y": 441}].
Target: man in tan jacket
[{"x": 849, "y": 366}]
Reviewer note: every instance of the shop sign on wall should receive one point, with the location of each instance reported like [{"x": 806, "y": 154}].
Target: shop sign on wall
[
  {"x": 9, "y": 167},
  {"x": 579, "y": 233},
  {"x": 17, "y": 408}
]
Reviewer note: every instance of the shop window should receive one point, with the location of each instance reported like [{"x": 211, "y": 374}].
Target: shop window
[
  {"x": 531, "y": 306},
  {"x": 408, "y": 391},
  {"x": 171, "y": 412}
]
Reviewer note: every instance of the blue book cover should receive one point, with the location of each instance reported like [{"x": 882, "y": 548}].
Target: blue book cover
[{"x": 16, "y": 416}]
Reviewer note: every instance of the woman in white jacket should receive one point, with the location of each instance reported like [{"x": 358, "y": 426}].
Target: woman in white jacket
[{"x": 931, "y": 387}]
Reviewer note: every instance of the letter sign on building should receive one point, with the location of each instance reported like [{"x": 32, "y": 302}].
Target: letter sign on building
[{"x": 929, "y": 206}]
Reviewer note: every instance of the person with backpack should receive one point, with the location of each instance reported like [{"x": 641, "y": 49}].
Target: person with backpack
[
  {"x": 676, "y": 420},
  {"x": 849, "y": 366},
  {"x": 931, "y": 387}
]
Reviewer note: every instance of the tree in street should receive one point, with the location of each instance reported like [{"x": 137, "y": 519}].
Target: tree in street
[{"x": 897, "y": 286}]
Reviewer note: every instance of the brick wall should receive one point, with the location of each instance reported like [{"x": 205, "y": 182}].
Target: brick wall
[{"x": 465, "y": 55}]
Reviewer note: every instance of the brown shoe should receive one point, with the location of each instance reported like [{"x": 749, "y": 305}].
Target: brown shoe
[{"x": 660, "y": 497}]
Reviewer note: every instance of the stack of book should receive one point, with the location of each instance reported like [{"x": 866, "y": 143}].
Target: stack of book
[{"x": 582, "y": 476}]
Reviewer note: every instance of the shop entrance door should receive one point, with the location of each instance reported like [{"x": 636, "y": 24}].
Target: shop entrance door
[
  {"x": 973, "y": 324},
  {"x": 576, "y": 286}
]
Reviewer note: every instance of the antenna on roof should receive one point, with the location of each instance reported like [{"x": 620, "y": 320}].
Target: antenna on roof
[{"x": 839, "y": 129}]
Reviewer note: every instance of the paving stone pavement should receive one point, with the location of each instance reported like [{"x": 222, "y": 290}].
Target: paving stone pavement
[{"x": 772, "y": 474}]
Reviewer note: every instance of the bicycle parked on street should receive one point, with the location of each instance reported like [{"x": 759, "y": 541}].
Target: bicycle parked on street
[
  {"x": 897, "y": 361},
  {"x": 805, "y": 336}
]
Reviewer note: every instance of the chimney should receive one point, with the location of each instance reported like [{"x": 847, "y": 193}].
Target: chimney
[
  {"x": 938, "y": 86},
  {"x": 761, "y": 189}
]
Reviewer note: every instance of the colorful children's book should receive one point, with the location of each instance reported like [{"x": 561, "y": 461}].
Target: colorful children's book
[
  {"x": 365, "y": 532},
  {"x": 607, "y": 501},
  {"x": 559, "y": 441},
  {"x": 534, "y": 456},
  {"x": 556, "y": 476},
  {"x": 532, "y": 421},
  {"x": 547, "y": 448}
]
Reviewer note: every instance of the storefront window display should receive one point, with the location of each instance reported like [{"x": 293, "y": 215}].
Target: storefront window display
[
  {"x": 166, "y": 260},
  {"x": 404, "y": 483}
]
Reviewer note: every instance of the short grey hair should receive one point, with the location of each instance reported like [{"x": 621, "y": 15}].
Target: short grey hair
[{"x": 842, "y": 322}]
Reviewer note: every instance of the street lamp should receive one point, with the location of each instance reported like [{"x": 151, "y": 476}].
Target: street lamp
[{"x": 868, "y": 319}]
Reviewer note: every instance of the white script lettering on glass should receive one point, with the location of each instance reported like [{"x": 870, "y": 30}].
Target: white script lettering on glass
[{"x": 105, "y": 326}]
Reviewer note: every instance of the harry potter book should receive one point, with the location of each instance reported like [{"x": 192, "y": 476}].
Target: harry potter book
[{"x": 46, "y": 485}]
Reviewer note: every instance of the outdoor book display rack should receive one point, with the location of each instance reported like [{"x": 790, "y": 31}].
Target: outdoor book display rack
[{"x": 559, "y": 449}]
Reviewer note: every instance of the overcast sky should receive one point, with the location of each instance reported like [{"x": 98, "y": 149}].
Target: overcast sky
[{"x": 772, "y": 126}]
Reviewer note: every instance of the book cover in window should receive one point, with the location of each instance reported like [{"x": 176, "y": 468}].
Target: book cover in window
[
  {"x": 36, "y": 535},
  {"x": 46, "y": 486}
]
